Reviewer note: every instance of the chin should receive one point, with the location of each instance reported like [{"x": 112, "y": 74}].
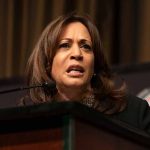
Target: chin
[{"x": 75, "y": 84}]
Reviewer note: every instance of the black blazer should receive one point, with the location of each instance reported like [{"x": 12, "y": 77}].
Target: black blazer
[{"x": 137, "y": 113}]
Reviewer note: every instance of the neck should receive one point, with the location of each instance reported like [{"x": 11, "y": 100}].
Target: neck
[{"x": 69, "y": 94}]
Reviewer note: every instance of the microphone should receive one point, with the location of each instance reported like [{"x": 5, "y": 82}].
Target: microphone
[{"x": 46, "y": 85}]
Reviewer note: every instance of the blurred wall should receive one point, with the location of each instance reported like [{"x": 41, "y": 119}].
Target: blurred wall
[
  {"x": 22, "y": 21},
  {"x": 134, "y": 31},
  {"x": 123, "y": 25}
]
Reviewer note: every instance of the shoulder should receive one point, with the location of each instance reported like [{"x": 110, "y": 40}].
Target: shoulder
[
  {"x": 136, "y": 105},
  {"x": 136, "y": 113}
]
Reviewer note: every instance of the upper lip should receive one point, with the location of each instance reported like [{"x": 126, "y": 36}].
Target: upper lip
[{"x": 75, "y": 67}]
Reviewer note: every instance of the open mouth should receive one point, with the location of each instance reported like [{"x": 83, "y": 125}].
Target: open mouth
[{"x": 75, "y": 70}]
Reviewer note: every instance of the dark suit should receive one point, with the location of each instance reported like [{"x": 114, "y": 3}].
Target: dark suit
[{"x": 137, "y": 113}]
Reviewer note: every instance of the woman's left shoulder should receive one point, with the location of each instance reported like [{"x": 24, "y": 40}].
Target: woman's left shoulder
[
  {"x": 136, "y": 104},
  {"x": 136, "y": 113}
]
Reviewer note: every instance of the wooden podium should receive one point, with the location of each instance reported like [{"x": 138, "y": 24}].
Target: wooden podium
[{"x": 66, "y": 126}]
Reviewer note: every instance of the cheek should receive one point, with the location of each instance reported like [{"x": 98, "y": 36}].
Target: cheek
[
  {"x": 55, "y": 66},
  {"x": 91, "y": 64}
]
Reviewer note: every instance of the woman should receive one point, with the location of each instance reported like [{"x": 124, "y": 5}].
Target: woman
[{"x": 69, "y": 52}]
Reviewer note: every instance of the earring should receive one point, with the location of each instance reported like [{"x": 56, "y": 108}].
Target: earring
[{"x": 94, "y": 74}]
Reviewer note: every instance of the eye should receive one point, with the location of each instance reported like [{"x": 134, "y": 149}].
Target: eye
[
  {"x": 86, "y": 46},
  {"x": 64, "y": 45}
]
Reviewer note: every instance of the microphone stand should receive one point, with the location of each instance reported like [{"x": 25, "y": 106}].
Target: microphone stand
[
  {"x": 44, "y": 85},
  {"x": 19, "y": 89}
]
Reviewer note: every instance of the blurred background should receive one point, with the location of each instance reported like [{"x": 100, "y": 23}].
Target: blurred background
[{"x": 124, "y": 27}]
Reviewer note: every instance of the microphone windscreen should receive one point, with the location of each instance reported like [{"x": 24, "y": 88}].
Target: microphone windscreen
[{"x": 50, "y": 85}]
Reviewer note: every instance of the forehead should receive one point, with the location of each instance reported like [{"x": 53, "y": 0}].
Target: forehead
[{"x": 75, "y": 28}]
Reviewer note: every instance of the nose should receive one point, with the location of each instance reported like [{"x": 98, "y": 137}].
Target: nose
[{"x": 76, "y": 53}]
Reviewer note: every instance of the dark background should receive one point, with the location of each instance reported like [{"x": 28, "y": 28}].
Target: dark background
[{"x": 124, "y": 27}]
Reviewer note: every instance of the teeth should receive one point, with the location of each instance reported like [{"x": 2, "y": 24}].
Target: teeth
[{"x": 75, "y": 69}]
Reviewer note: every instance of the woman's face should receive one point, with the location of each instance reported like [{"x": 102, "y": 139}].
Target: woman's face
[{"x": 73, "y": 62}]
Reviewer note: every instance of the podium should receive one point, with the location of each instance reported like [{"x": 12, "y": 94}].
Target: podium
[{"x": 66, "y": 126}]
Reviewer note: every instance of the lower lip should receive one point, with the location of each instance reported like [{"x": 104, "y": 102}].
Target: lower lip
[{"x": 75, "y": 74}]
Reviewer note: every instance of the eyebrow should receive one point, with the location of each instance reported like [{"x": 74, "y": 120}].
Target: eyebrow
[
  {"x": 84, "y": 40},
  {"x": 81, "y": 40}
]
